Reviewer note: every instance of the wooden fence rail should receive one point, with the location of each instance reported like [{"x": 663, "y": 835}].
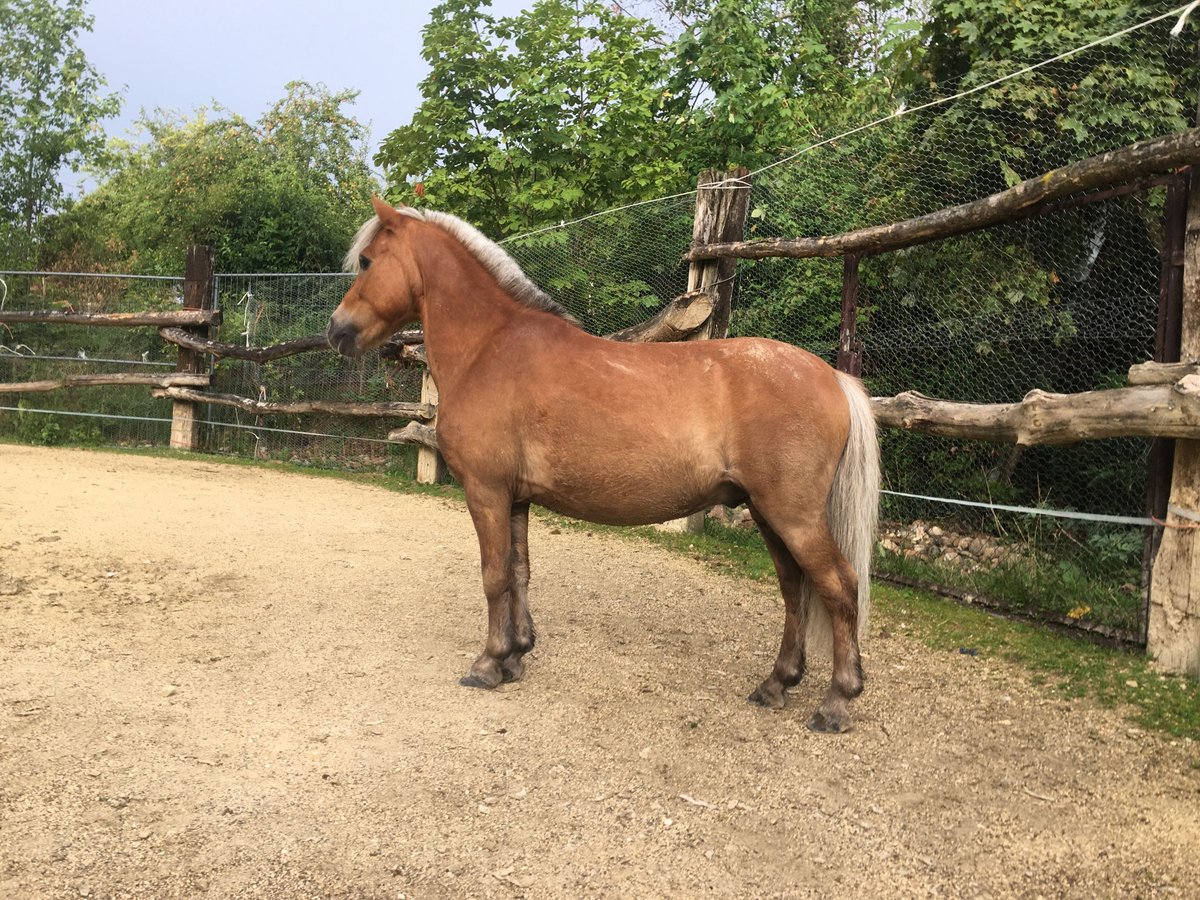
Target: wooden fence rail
[
  {"x": 177, "y": 318},
  {"x": 175, "y": 379}
]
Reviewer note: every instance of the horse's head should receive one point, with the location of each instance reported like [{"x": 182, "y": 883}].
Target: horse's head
[{"x": 385, "y": 295}]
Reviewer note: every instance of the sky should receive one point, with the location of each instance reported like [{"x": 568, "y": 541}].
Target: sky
[{"x": 174, "y": 55}]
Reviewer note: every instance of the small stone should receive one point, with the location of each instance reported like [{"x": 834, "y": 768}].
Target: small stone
[
  {"x": 170, "y": 690},
  {"x": 1131, "y": 683}
]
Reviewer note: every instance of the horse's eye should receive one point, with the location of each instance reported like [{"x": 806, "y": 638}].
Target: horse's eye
[{"x": 364, "y": 263}]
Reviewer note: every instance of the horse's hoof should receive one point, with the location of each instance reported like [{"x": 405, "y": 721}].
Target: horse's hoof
[
  {"x": 826, "y": 723},
  {"x": 766, "y": 698},
  {"x": 472, "y": 680},
  {"x": 512, "y": 669}
]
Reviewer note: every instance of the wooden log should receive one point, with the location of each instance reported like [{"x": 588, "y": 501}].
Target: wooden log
[
  {"x": 1161, "y": 373},
  {"x": 431, "y": 468},
  {"x": 180, "y": 317},
  {"x": 722, "y": 204},
  {"x": 414, "y": 353},
  {"x": 175, "y": 379},
  {"x": 221, "y": 350},
  {"x": 1045, "y": 418},
  {"x": 392, "y": 348},
  {"x": 421, "y": 411},
  {"x": 679, "y": 319},
  {"x": 1025, "y": 199},
  {"x": 415, "y": 433},
  {"x": 199, "y": 281}
]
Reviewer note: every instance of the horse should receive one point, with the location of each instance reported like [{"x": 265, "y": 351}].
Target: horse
[{"x": 534, "y": 410}]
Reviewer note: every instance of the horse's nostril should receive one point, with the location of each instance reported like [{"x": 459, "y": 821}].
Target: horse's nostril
[{"x": 342, "y": 337}]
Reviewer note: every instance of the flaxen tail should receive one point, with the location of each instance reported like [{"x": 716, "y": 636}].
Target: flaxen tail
[{"x": 853, "y": 513}]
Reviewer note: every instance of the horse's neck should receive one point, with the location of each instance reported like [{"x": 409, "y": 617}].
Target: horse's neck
[{"x": 462, "y": 317}]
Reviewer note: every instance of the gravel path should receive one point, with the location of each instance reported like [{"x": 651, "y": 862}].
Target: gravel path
[{"x": 231, "y": 682}]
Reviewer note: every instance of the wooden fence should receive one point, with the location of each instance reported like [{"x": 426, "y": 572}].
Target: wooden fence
[{"x": 1162, "y": 399}]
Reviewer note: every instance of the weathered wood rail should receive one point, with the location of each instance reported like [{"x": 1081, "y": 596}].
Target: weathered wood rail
[
  {"x": 169, "y": 318},
  {"x": 118, "y": 379},
  {"x": 1148, "y": 410}
]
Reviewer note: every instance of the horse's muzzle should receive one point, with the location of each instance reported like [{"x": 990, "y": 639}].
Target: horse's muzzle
[{"x": 343, "y": 337}]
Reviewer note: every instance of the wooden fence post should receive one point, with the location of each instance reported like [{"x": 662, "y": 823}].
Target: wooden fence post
[
  {"x": 849, "y": 358},
  {"x": 197, "y": 294},
  {"x": 722, "y": 203},
  {"x": 431, "y": 468},
  {"x": 1173, "y": 635}
]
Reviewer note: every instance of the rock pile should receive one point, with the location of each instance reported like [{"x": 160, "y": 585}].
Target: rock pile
[{"x": 921, "y": 540}]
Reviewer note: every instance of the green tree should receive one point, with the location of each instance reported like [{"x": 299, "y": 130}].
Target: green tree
[
  {"x": 283, "y": 195},
  {"x": 1123, "y": 91},
  {"x": 51, "y": 107},
  {"x": 538, "y": 117},
  {"x": 763, "y": 77}
]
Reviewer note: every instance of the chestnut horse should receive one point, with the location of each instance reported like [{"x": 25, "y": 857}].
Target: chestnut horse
[{"x": 532, "y": 409}]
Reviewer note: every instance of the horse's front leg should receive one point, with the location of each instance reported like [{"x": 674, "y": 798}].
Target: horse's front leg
[
  {"x": 524, "y": 635},
  {"x": 491, "y": 515}
]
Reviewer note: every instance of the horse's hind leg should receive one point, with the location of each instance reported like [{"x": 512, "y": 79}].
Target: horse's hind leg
[
  {"x": 837, "y": 586},
  {"x": 814, "y": 550},
  {"x": 524, "y": 635},
  {"x": 789, "y": 667}
]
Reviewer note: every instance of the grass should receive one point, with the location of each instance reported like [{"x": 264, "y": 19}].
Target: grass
[{"x": 1065, "y": 665}]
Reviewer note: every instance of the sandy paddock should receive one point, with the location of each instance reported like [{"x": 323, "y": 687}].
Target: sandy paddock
[{"x": 228, "y": 681}]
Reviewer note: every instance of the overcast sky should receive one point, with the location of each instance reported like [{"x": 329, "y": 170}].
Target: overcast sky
[{"x": 174, "y": 55}]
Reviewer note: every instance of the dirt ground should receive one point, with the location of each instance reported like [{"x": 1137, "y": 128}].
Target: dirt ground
[{"x": 230, "y": 682}]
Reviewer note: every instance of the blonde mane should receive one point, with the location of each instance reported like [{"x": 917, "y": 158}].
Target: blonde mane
[{"x": 490, "y": 255}]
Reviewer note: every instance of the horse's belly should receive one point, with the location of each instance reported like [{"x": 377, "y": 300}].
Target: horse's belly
[{"x": 622, "y": 498}]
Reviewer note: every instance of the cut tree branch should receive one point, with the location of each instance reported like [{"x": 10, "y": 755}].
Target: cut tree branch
[
  {"x": 391, "y": 348},
  {"x": 1044, "y": 418},
  {"x": 222, "y": 350},
  {"x": 175, "y": 379},
  {"x": 1026, "y": 199},
  {"x": 675, "y": 321},
  {"x": 192, "y": 317},
  {"x": 415, "y": 433},
  {"x": 1162, "y": 373}
]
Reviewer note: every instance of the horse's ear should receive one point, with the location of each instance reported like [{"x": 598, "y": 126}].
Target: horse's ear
[{"x": 387, "y": 215}]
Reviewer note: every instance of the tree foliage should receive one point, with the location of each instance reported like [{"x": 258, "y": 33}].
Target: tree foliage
[
  {"x": 576, "y": 105},
  {"x": 51, "y": 108},
  {"x": 536, "y": 117},
  {"x": 285, "y": 194}
]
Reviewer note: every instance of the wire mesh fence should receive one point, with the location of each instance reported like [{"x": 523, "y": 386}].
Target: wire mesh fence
[
  {"x": 38, "y": 351},
  {"x": 1065, "y": 301},
  {"x": 260, "y": 310}
]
